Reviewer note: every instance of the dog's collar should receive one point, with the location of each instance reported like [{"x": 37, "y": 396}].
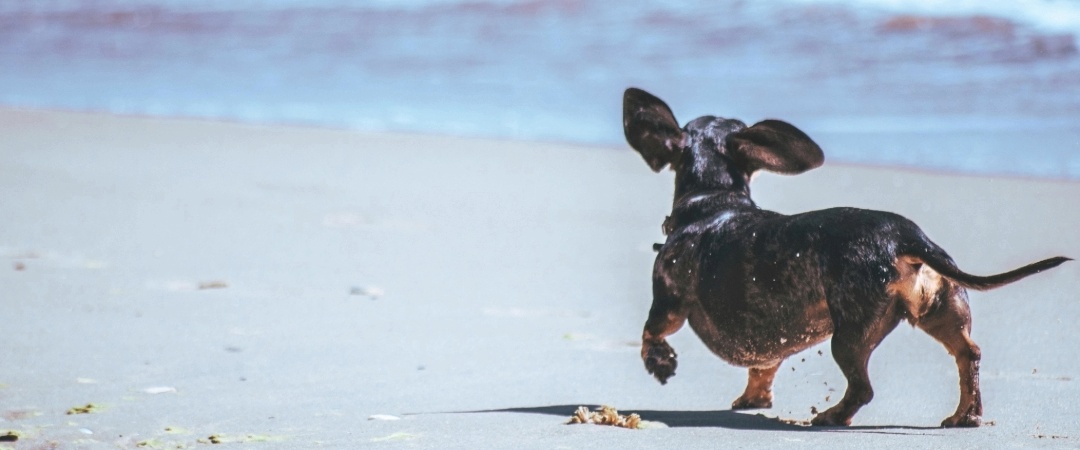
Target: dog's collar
[
  {"x": 684, "y": 212},
  {"x": 737, "y": 198}
]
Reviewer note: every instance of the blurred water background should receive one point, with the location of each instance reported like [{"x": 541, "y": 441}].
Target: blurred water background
[{"x": 990, "y": 87}]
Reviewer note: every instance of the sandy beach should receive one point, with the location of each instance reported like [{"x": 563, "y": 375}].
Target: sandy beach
[{"x": 196, "y": 282}]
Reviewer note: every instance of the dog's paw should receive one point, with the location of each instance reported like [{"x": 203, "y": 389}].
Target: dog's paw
[
  {"x": 961, "y": 421},
  {"x": 756, "y": 402},
  {"x": 831, "y": 418},
  {"x": 659, "y": 360}
]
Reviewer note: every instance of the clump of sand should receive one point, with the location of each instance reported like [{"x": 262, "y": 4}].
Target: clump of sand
[{"x": 605, "y": 415}]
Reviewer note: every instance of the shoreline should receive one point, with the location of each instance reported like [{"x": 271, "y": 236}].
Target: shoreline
[{"x": 829, "y": 135}]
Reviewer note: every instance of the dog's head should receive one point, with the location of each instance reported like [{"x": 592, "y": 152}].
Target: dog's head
[{"x": 711, "y": 149}]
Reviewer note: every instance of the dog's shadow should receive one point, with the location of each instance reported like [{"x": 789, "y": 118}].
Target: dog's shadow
[{"x": 721, "y": 418}]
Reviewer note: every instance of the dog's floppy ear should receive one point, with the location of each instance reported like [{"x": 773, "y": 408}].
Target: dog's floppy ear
[
  {"x": 775, "y": 146},
  {"x": 650, "y": 128}
]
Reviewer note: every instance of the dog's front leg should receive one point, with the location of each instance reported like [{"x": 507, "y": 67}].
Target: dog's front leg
[{"x": 665, "y": 318}]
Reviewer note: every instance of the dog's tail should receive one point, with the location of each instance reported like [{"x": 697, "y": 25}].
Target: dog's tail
[{"x": 934, "y": 256}]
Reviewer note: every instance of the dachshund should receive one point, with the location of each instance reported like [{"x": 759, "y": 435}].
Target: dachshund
[{"x": 758, "y": 286}]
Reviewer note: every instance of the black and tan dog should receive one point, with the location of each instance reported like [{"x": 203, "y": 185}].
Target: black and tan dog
[{"x": 758, "y": 286}]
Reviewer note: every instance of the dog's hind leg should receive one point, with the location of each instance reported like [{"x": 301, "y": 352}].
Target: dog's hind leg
[
  {"x": 950, "y": 323},
  {"x": 758, "y": 393},
  {"x": 852, "y": 344},
  {"x": 665, "y": 318}
]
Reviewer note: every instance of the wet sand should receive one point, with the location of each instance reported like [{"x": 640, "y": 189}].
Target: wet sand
[{"x": 302, "y": 288}]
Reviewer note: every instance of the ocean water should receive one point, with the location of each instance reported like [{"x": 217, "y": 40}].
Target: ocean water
[{"x": 993, "y": 86}]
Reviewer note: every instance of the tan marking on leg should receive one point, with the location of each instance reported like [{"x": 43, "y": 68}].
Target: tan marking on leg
[
  {"x": 758, "y": 393},
  {"x": 671, "y": 323}
]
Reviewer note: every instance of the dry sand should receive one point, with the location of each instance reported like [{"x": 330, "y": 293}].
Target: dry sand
[{"x": 288, "y": 288}]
